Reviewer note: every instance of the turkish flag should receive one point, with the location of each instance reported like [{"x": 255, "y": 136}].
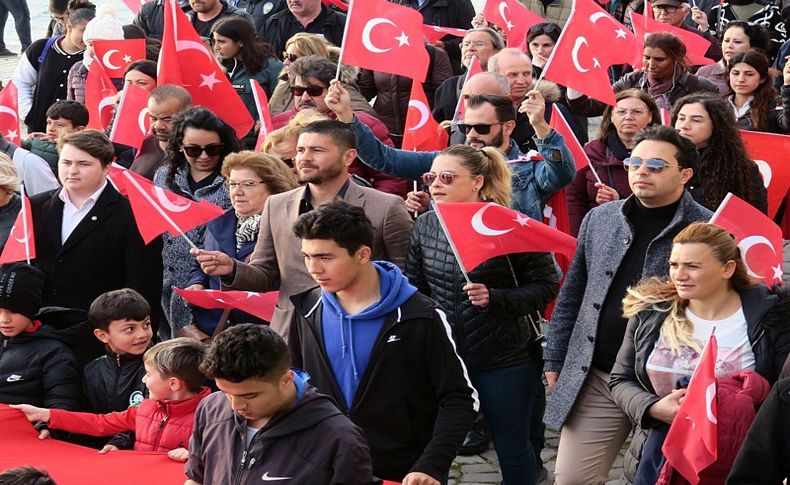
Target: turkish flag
[
  {"x": 337, "y": 3},
  {"x": 135, "y": 5},
  {"x": 185, "y": 61},
  {"x": 472, "y": 70},
  {"x": 99, "y": 97},
  {"x": 262, "y": 103},
  {"x": 666, "y": 117},
  {"x": 157, "y": 210},
  {"x": 555, "y": 214},
  {"x": 769, "y": 152},
  {"x": 691, "y": 444},
  {"x": 21, "y": 244},
  {"x": 483, "y": 230},
  {"x": 434, "y": 33},
  {"x": 422, "y": 132},
  {"x": 116, "y": 55},
  {"x": 382, "y": 36},
  {"x": 260, "y": 305},
  {"x": 561, "y": 126},
  {"x": 591, "y": 41},
  {"x": 513, "y": 18},
  {"x": 696, "y": 45},
  {"x": 758, "y": 238},
  {"x": 131, "y": 120},
  {"x": 9, "y": 113}
]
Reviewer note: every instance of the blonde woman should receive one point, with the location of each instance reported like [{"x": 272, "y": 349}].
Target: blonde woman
[
  {"x": 671, "y": 320},
  {"x": 10, "y": 202}
]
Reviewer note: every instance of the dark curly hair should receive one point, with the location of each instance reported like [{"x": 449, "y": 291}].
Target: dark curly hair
[
  {"x": 199, "y": 118},
  {"x": 247, "y": 351},
  {"x": 765, "y": 95},
  {"x": 724, "y": 166}
]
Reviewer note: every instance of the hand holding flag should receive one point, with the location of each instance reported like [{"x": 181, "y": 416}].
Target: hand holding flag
[{"x": 260, "y": 305}]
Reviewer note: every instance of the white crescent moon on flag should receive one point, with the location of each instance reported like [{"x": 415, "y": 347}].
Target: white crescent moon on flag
[
  {"x": 502, "y": 7},
  {"x": 710, "y": 395},
  {"x": 765, "y": 171},
  {"x": 167, "y": 203},
  {"x": 19, "y": 240},
  {"x": 597, "y": 15},
  {"x": 746, "y": 244},
  {"x": 424, "y": 114},
  {"x": 141, "y": 120},
  {"x": 580, "y": 41},
  {"x": 106, "y": 59},
  {"x": 7, "y": 110},
  {"x": 372, "y": 23},
  {"x": 191, "y": 45},
  {"x": 479, "y": 226},
  {"x": 108, "y": 101}
]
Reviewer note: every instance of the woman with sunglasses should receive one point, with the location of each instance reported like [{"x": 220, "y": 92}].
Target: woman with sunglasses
[
  {"x": 671, "y": 320},
  {"x": 199, "y": 143},
  {"x": 251, "y": 177},
  {"x": 738, "y": 37},
  {"x": 492, "y": 338},
  {"x": 633, "y": 110},
  {"x": 724, "y": 165},
  {"x": 245, "y": 59},
  {"x": 753, "y": 96}
]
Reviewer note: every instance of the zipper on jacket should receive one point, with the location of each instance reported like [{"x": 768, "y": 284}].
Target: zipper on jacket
[
  {"x": 159, "y": 431},
  {"x": 636, "y": 333},
  {"x": 245, "y": 465},
  {"x": 112, "y": 398}
]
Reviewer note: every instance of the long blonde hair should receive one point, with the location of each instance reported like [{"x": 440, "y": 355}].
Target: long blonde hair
[
  {"x": 491, "y": 165},
  {"x": 657, "y": 294}
]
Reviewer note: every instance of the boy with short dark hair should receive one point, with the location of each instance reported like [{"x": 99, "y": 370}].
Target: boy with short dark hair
[
  {"x": 63, "y": 117},
  {"x": 26, "y": 476},
  {"x": 113, "y": 382},
  {"x": 164, "y": 421}
]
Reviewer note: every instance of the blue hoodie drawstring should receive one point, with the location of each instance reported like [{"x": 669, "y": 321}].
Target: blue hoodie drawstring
[{"x": 353, "y": 357}]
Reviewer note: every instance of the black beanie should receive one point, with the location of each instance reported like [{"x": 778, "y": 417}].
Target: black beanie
[{"x": 21, "y": 286}]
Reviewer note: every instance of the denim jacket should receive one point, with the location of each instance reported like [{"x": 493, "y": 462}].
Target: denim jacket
[{"x": 534, "y": 181}]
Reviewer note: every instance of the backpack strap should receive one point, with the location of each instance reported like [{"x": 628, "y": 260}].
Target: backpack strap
[{"x": 45, "y": 50}]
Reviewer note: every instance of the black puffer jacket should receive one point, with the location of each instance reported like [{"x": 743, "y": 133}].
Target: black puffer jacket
[
  {"x": 151, "y": 17},
  {"x": 492, "y": 337}
]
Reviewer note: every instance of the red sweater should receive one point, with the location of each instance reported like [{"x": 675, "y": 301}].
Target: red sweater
[{"x": 157, "y": 425}]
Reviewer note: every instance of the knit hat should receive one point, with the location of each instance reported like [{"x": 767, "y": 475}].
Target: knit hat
[
  {"x": 105, "y": 26},
  {"x": 21, "y": 287}
]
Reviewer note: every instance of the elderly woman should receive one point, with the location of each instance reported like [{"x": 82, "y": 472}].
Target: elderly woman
[
  {"x": 251, "y": 177},
  {"x": 10, "y": 202}
]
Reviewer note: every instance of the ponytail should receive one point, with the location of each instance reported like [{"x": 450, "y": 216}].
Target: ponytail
[{"x": 489, "y": 163}]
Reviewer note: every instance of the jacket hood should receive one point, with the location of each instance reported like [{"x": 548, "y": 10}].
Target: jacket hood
[{"x": 551, "y": 92}]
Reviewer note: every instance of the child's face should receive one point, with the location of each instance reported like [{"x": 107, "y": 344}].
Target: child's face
[
  {"x": 58, "y": 127},
  {"x": 127, "y": 336},
  {"x": 12, "y": 324},
  {"x": 158, "y": 386}
]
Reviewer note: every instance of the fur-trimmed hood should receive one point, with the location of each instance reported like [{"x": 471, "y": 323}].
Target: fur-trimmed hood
[{"x": 551, "y": 91}]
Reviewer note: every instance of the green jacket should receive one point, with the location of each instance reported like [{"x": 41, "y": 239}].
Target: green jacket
[{"x": 45, "y": 149}]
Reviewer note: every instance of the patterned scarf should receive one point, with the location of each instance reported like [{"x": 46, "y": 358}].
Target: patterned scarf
[{"x": 247, "y": 229}]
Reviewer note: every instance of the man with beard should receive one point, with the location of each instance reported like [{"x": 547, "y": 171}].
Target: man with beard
[
  {"x": 324, "y": 151},
  {"x": 164, "y": 103},
  {"x": 489, "y": 120}
]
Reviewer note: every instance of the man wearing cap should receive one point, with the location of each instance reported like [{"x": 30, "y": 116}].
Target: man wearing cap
[{"x": 674, "y": 12}]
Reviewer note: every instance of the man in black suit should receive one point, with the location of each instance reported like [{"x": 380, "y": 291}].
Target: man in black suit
[{"x": 86, "y": 238}]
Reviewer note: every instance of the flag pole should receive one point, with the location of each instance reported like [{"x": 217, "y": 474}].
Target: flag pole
[
  {"x": 554, "y": 51},
  {"x": 452, "y": 244},
  {"x": 720, "y": 208},
  {"x": 159, "y": 209},
  {"x": 24, "y": 223},
  {"x": 343, "y": 42}
]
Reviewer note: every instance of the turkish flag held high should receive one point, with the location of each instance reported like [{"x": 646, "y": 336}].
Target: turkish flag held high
[
  {"x": 591, "y": 41},
  {"x": 382, "y": 36},
  {"x": 157, "y": 210},
  {"x": 116, "y": 55},
  {"x": 691, "y": 444},
  {"x": 99, "y": 97},
  {"x": 759, "y": 239},
  {"x": 422, "y": 132},
  {"x": 9, "y": 113},
  {"x": 260, "y": 305},
  {"x": 131, "y": 120},
  {"x": 21, "y": 244},
  {"x": 769, "y": 152},
  {"x": 264, "y": 115},
  {"x": 696, "y": 45},
  {"x": 513, "y": 18},
  {"x": 483, "y": 230},
  {"x": 185, "y": 61},
  {"x": 434, "y": 33},
  {"x": 561, "y": 126}
]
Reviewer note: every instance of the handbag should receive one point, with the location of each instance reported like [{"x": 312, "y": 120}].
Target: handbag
[
  {"x": 193, "y": 332},
  {"x": 534, "y": 325}
]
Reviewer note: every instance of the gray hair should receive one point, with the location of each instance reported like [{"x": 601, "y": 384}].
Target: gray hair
[
  {"x": 496, "y": 39},
  {"x": 493, "y": 61},
  {"x": 172, "y": 91},
  {"x": 318, "y": 67},
  {"x": 500, "y": 80}
]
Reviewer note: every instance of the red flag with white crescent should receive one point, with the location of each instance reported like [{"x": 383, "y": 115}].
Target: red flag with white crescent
[
  {"x": 186, "y": 61},
  {"x": 264, "y": 115},
  {"x": 435, "y": 33},
  {"x": 260, "y": 305},
  {"x": 9, "y": 113},
  {"x": 696, "y": 45},
  {"x": 116, "y": 55},
  {"x": 21, "y": 243},
  {"x": 769, "y": 151},
  {"x": 561, "y": 126},
  {"x": 99, "y": 97},
  {"x": 472, "y": 70},
  {"x": 513, "y": 18},
  {"x": 131, "y": 119},
  {"x": 422, "y": 132},
  {"x": 692, "y": 442},
  {"x": 758, "y": 238},
  {"x": 382, "y": 36}
]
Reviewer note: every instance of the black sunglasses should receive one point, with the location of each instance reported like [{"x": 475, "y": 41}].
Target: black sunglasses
[
  {"x": 481, "y": 128},
  {"x": 543, "y": 28},
  {"x": 290, "y": 57},
  {"x": 298, "y": 91},
  {"x": 194, "y": 151},
  {"x": 288, "y": 161},
  {"x": 445, "y": 177}
]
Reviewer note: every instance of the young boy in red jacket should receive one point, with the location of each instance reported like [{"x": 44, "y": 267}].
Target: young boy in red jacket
[{"x": 164, "y": 421}]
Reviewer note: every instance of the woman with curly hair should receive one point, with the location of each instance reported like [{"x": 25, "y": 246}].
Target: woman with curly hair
[
  {"x": 752, "y": 94},
  {"x": 191, "y": 168},
  {"x": 724, "y": 166}
]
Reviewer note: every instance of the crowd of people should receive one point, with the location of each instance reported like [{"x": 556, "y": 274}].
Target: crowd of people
[{"x": 384, "y": 358}]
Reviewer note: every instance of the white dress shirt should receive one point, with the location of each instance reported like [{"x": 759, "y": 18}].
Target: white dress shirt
[{"x": 73, "y": 215}]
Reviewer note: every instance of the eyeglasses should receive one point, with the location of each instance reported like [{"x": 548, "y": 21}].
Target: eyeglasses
[
  {"x": 244, "y": 184},
  {"x": 655, "y": 165},
  {"x": 478, "y": 44},
  {"x": 289, "y": 57},
  {"x": 543, "y": 28},
  {"x": 194, "y": 151},
  {"x": 445, "y": 177},
  {"x": 665, "y": 8},
  {"x": 313, "y": 91},
  {"x": 633, "y": 112},
  {"x": 480, "y": 128}
]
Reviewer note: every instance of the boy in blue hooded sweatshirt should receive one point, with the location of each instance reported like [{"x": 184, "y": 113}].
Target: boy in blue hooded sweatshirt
[{"x": 382, "y": 350}]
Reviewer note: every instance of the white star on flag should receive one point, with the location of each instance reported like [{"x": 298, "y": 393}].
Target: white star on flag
[
  {"x": 522, "y": 220},
  {"x": 12, "y": 135},
  {"x": 778, "y": 272},
  {"x": 127, "y": 58},
  {"x": 510, "y": 25},
  {"x": 209, "y": 81},
  {"x": 620, "y": 33},
  {"x": 402, "y": 39}
]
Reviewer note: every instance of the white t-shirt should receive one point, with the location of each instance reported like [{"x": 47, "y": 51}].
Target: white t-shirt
[{"x": 735, "y": 354}]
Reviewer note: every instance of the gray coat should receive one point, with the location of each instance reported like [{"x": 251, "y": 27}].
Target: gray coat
[{"x": 604, "y": 238}]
